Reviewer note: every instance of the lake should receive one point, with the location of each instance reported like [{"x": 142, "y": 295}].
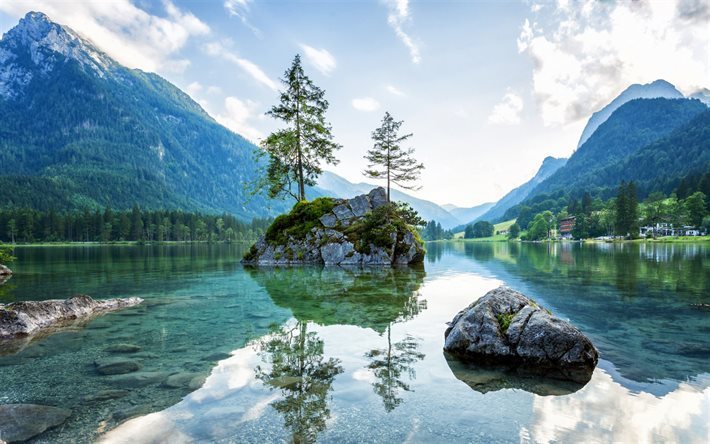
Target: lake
[{"x": 306, "y": 354}]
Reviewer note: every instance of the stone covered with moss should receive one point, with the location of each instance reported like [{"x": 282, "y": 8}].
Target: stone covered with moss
[
  {"x": 506, "y": 328},
  {"x": 364, "y": 230}
]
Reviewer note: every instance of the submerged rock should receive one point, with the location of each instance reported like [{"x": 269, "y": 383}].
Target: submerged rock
[
  {"x": 137, "y": 379},
  {"x": 364, "y": 230},
  {"x": 116, "y": 366},
  {"x": 506, "y": 327},
  {"x": 20, "y": 422},
  {"x": 105, "y": 395},
  {"x": 188, "y": 380},
  {"x": 30, "y": 317},
  {"x": 123, "y": 348}
]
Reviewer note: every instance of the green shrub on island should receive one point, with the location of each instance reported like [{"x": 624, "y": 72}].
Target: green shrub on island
[
  {"x": 375, "y": 227},
  {"x": 300, "y": 221},
  {"x": 6, "y": 254}
]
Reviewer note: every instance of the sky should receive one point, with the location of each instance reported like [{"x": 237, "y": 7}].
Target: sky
[{"x": 488, "y": 88}]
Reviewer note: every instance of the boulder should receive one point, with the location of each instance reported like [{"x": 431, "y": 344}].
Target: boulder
[
  {"x": 377, "y": 197},
  {"x": 359, "y": 205},
  {"x": 30, "y": 317},
  {"x": 340, "y": 236},
  {"x": 343, "y": 212},
  {"x": 20, "y": 422},
  {"x": 506, "y": 327},
  {"x": 4, "y": 271},
  {"x": 329, "y": 220}
]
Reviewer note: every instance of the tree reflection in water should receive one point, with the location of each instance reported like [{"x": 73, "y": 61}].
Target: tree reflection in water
[
  {"x": 374, "y": 298},
  {"x": 297, "y": 367},
  {"x": 390, "y": 365}
]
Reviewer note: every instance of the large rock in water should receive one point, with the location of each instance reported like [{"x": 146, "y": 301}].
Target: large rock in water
[
  {"x": 30, "y": 317},
  {"x": 337, "y": 238},
  {"x": 20, "y": 422},
  {"x": 506, "y": 327},
  {"x": 4, "y": 271}
]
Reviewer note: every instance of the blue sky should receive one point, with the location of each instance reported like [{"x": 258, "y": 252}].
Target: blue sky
[{"x": 489, "y": 89}]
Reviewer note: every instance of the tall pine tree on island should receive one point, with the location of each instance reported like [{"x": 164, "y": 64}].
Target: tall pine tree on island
[
  {"x": 388, "y": 160},
  {"x": 296, "y": 152}
]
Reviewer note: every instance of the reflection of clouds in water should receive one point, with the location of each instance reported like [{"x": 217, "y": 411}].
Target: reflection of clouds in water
[
  {"x": 210, "y": 402},
  {"x": 611, "y": 413}
]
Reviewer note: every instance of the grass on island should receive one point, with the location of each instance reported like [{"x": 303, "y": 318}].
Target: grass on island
[{"x": 501, "y": 226}]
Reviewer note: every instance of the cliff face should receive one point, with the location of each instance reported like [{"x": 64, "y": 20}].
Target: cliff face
[{"x": 364, "y": 230}]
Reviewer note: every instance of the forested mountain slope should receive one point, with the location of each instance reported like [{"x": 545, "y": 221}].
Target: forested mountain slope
[{"x": 79, "y": 130}]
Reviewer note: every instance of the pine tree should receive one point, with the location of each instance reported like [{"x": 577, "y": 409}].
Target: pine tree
[
  {"x": 395, "y": 163},
  {"x": 627, "y": 210},
  {"x": 296, "y": 152}
]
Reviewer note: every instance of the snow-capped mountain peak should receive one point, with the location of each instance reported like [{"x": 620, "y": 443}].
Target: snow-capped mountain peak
[{"x": 36, "y": 46}]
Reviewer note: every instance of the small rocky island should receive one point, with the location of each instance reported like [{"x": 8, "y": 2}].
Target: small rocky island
[
  {"x": 506, "y": 327},
  {"x": 21, "y": 319},
  {"x": 365, "y": 230}
]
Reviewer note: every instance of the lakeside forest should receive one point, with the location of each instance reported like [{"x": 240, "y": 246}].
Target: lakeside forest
[{"x": 622, "y": 215}]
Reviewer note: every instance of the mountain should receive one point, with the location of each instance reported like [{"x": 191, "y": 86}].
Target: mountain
[
  {"x": 659, "y": 88},
  {"x": 339, "y": 187},
  {"x": 653, "y": 141},
  {"x": 631, "y": 127},
  {"x": 703, "y": 95},
  {"x": 549, "y": 166},
  {"x": 78, "y": 130},
  {"x": 660, "y": 164},
  {"x": 467, "y": 214}
]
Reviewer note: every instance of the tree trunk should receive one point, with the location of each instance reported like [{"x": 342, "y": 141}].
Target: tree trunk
[
  {"x": 389, "y": 160},
  {"x": 301, "y": 187}
]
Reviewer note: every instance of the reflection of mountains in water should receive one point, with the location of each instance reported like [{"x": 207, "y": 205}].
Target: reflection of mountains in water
[
  {"x": 366, "y": 297},
  {"x": 641, "y": 304}
]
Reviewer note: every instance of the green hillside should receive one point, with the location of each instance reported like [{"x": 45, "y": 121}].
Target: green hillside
[
  {"x": 656, "y": 142},
  {"x": 86, "y": 132}
]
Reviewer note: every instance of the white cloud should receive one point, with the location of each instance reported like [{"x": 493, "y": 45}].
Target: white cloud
[
  {"x": 321, "y": 59},
  {"x": 507, "y": 112},
  {"x": 395, "y": 91},
  {"x": 194, "y": 88},
  {"x": 129, "y": 34},
  {"x": 367, "y": 104},
  {"x": 217, "y": 49},
  {"x": 240, "y": 9},
  {"x": 238, "y": 116},
  {"x": 398, "y": 15},
  {"x": 583, "y": 56},
  {"x": 214, "y": 90}
]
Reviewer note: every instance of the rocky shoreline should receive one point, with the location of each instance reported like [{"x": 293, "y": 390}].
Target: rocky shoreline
[
  {"x": 21, "y": 319},
  {"x": 505, "y": 327}
]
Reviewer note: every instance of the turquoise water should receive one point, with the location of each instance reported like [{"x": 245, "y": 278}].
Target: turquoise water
[{"x": 229, "y": 354}]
